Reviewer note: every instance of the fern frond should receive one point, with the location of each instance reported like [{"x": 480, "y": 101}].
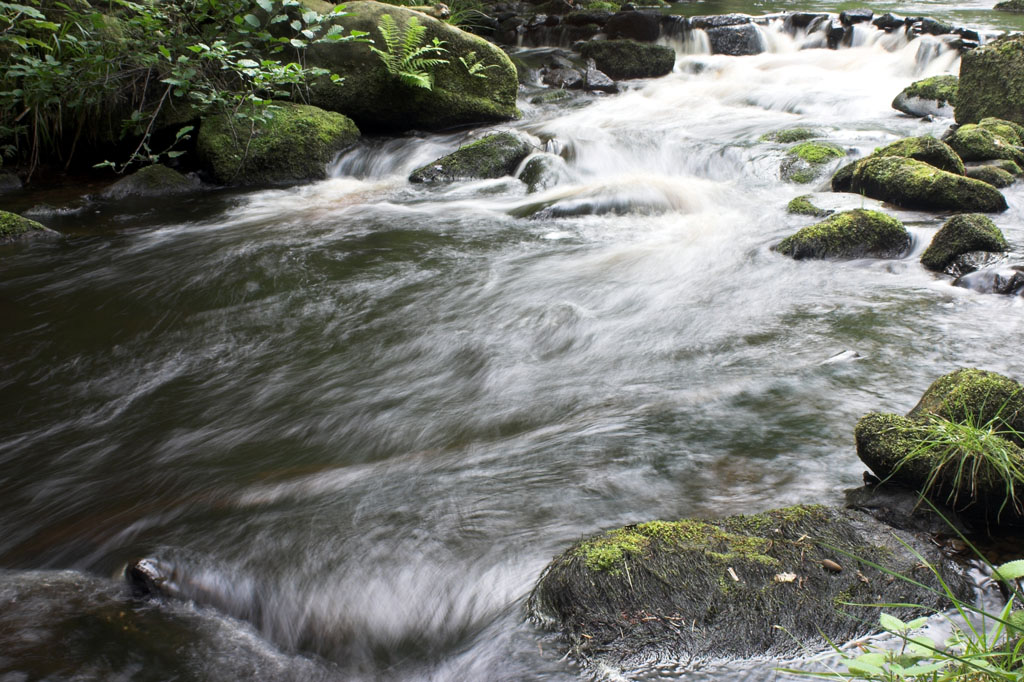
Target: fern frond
[
  {"x": 414, "y": 35},
  {"x": 417, "y": 79}
]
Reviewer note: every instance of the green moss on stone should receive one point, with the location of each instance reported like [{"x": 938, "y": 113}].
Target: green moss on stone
[
  {"x": 992, "y": 82},
  {"x": 1005, "y": 164},
  {"x": 600, "y": 5},
  {"x": 1008, "y": 131},
  {"x": 493, "y": 156},
  {"x": 991, "y": 175},
  {"x": 972, "y": 142},
  {"x": 790, "y": 135},
  {"x": 14, "y": 227},
  {"x": 961, "y": 234},
  {"x": 942, "y": 89},
  {"x": 843, "y": 177},
  {"x": 927, "y": 149},
  {"x": 975, "y": 394},
  {"x": 1013, "y": 6},
  {"x": 817, "y": 152},
  {"x": 295, "y": 144},
  {"x": 155, "y": 180},
  {"x": 549, "y": 96},
  {"x": 624, "y": 59},
  {"x": 851, "y": 234},
  {"x": 915, "y": 184},
  {"x": 802, "y": 206}
]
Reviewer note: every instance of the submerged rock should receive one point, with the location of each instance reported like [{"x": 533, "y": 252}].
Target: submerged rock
[
  {"x": 802, "y": 206},
  {"x": 850, "y": 234},
  {"x": 624, "y": 59},
  {"x": 493, "y": 156},
  {"x": 736, "y": 41},
  {"x": 962, "y": 234},
  {"x": 915, "y": 184},
  {"x": 991, "y": 175},
  {"x": 596, "y": 80},
  {"x": 9, "y": 182},
  {"x": 295, "y": 144},
  {"x": 927, "y": 149},
  {"x": 378, "y": 100},
  {"x": 992, "y": 81},
  {"x": 1008, "y": 281},
  {"x": 944, "y": 447},
  {"x": 929, "y": 97},
  {"x": 806, "y": 161},
  {"x": 14, "y": 227},
  {"x": 543, "y": 171},
  {"x": 764, "y": 584},
  {"x": 152, "y": 181}
]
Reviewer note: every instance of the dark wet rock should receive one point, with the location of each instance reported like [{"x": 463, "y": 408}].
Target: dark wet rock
[
  {"x": 569, "y": 79},
  {"x": 901, "y": 508},
  {"x": 889, "y": 22},
  {"x": 719, "y": 20},
  {"x": 585, "y": 17},
  {"x": 972, "y": 261},
  {"x": 551, "y": 96},
  {"x": 14, "y": 227},
  {"x": 975, "y": 142},
  {"x": 493, "y": 156},
  {"x": 858, "y": 233},
  {"x": 736, "y": 41},
  {"x": 842, "y": 179},
  {"x": 763, "y": 584},
  {"x": 542, "y": 171},
  {"x": 807, "y": 161},
  {"x": 1013, "y": 6},
  {"x": 802, "y": 206},
  {"x": 915, "y": 184},
  {"x": 837, "y": 35},
  {"x": 959, "y": 235},
  {"x": 968, "y": 34},
  {"x": 994, "y": 280},
  {"x": 992, "y": 82},
  {"x": 623, "y": 59},
  {"x": 295, "y": 144},
  {"x": 555, "y": 7},
  {"x": 991, "y": 175},
  {"x": 9, "y": 182},
  {"x": 152, "y": 181},
  {"x": 856, "y": 16},
  {"x": 643, "y": 26},
  {"x": 597, "y": 81},
  {"x": 928, "y": 26},
  {"x": 927, "y": 149},
  {"x": 796, "y": 20},
  {"x": 934, "y": 450},
  {"x": 929, "y": 97},
  {"x": 510, "y": 30}
]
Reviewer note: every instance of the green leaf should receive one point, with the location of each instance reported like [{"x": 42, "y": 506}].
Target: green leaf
[
  {"x": 891, "y": 623},
  {"x": 860, "y": 667},
  {"x": 164, "y": 51},
  {"x": 174, "y": 154},
  {"x": 922, "y": 669},
  {"x": 1011, "y": 570},
  {"x": 248, "y": 63},
  {"x": 267, "y": 6},
  {"x": 297, "y": 43},
  {"x": 183, "y": 132},
  {"x": 252, "y": 20},
  {"x": 917, "y": 623}
]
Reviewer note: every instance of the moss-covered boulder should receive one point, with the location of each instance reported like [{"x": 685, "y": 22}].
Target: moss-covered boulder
[
  {"x": 802, "y": 206},
  {"x": 624, "y": 59},
  {"x": 14, "y": 227},
  {"x": 1012, "y": 6},
  {"x": 378, "y": 100},
  {"x": 762, "y": 584},
  {"x": 915, "y": 184},
  {"x": 295, "y": 144},
  {"x": 851, "y": 234},
  {"x": 493, "y": 156},
  {"x": 1008, "y": 131},
  {"x": 927, "y": 149},
  {"x": 842, "y": 179},
  {"x": 152, "y": 181},
  {"x": 929, "y": 97},
  {"x": 950, "y": 445},
  {"x": 790, "y": 135},
  {"x": 962, "y": 234},
  {"x": 807, "y": 161},
  {"x": 991, "y": 175},
  {"x": 1010, "y": 167},
  {"x": 992, "y": 81},
  {"x": 974, "y": 142}
]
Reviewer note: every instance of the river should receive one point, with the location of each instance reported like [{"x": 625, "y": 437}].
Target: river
[{"x": 358, "y": 417}]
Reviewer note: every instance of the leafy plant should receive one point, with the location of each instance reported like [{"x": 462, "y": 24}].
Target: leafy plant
[
  {"x": 475, "y": 67},
  {"x": 405, "y": 56}
]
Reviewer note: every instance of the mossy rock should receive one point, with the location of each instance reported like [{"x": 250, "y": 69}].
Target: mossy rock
[
  {"x": 493, "y": 156},
  {"x": 962, "y": 234},
  {"x": 295, "y": 144},
  {"x": 624, "y": 59},
  {"x": 379, "y": 101},
  {"x": 973, "y": 142},
  {"x": 992, "y": 82},
  {"x": 915, "y": 184},
  {"x": 807, "y": 161},
  {"x": 1010, "y": 167},
  {"x": 975, "y": 394},
  {"x": 802, "y": 206},
  {"x": 1008, "y": 131},
  {"x": 790, "y": 135},
  {"x": 929, "y": 97},
  {"x": 151, "y": 181},
  {"x": 14, "y": 227},
  {"x": 927, "y": 149},
  {"x": 850, "y": 234},
  {"x": 542, "y": 172},
  {"x": 1013, "y": 6},
  {"x": 741, "y": 586},
  {"x": 843, "y": 178},
  {"x": 991, "y": 175}
]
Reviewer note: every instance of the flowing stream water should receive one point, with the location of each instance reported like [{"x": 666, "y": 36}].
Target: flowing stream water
[{"x": 358, "y": 417}]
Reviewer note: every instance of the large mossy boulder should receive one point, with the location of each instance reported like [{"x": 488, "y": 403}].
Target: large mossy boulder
[
  {"x": 752, "y": 585},
  {"x": 995, "y": 140},
  {"x": 152, "y": 181},
  {"x": 959, "y": 446},
  {"x": 915, "y": 184},
  {"x": 851, "y": 234},
  {"x": 296, "y": 143},
  {"x": 625, "y": 59},
  {"x": 379, "y": 101},
  {"x": 962, "y": 234},
  {"x": 929, "y": 97},
  {"x": 14, "y": 227},
  {"x": 992, "y": 81},
  {"x": 991, "y": 175},
  {"x": 493, "y": 156},
  {"x": 807, "y": 161},
  {"x": 927, "y": 149}
]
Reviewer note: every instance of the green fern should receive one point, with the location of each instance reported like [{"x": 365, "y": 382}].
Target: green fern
[
  {"x": 405, "y": 56},
  {"x": 475, "y": 67}
]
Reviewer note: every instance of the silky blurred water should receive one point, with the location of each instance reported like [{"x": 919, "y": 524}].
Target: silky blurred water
[{"x": 358, "y": 417}]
